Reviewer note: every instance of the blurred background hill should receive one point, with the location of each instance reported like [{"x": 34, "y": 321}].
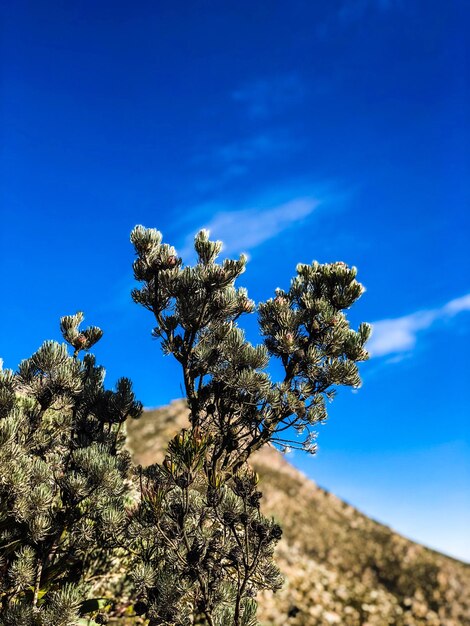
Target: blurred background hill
[{"x": 340, "y": 566}]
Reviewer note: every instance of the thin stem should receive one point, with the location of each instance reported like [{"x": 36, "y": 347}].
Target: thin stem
[{"x": 37, "y": 583}]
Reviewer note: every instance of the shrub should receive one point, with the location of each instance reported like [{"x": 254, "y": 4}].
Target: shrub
[
  {"x": 63, "y": 482},
  {"x": 207, "y": 549},
  {"x": 83, "y": 535}
]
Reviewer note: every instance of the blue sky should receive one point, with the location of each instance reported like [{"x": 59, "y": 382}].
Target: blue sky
[{"x": 294, "y": 131}]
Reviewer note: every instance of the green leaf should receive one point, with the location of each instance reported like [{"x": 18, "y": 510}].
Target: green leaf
[{"x": 94, "y": 604}]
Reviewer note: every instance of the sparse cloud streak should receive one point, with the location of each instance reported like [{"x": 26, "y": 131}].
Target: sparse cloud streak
[
  {"x": 245, "y": 229},
  {"x": 399, "y": 335}
]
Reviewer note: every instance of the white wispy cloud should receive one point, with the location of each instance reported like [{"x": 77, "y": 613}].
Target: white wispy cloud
[
  {"x": 459, "y": 304},
  {"x": 244, "y": 229},
  {"x": 399, "y": 335}
]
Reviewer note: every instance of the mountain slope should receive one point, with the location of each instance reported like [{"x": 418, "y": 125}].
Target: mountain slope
[{"x": 340, "y": 566}]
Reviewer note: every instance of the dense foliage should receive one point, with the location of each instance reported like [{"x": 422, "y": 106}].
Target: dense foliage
[
  {"x": 208, "y": 549},
  {"x": 83, "y": 535},
  {"x": 63, "y": 482}
]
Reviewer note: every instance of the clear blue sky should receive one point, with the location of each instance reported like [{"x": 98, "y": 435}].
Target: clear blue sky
[{"x": 295, "y": 131}]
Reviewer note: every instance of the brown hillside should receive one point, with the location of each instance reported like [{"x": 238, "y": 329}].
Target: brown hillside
[{"x": 340, "y": 566}]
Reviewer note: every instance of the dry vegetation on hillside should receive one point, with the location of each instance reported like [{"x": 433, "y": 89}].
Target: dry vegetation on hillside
[{"x": 340, "y": 566}]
